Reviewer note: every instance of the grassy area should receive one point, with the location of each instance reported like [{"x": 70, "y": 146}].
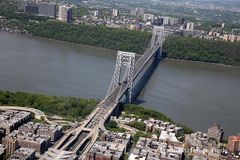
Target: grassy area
[
  {"x": 138, "y": 125},
  {"x": 113, "y": 126},
  {"x": 68, "y": 107},
  {"x": 144, "y": 113}
]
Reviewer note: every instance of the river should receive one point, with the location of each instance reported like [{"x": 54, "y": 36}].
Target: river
[{"x": 194, "y": 94}]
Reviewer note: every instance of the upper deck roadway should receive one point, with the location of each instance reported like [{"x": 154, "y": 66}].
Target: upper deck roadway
[{"x": 83, "y": 137}]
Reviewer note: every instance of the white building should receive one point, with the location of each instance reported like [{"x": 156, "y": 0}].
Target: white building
[
  {"x": 166, "y": 20},
  {"x": 115, "y": 12},
  {"x": 96, "y": 13},
  {"x": 190, "y": 26},
  {"x": 65, "y": 13},
  {"x": 148, "y": 17}
]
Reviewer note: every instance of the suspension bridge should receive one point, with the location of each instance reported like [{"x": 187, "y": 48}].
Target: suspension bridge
[{"x": 76, "y": 143}]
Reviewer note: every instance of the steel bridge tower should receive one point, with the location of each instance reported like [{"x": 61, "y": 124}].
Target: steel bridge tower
[
  {"x": 124, "y": 73},
  {"x": 158, "y": 33}
]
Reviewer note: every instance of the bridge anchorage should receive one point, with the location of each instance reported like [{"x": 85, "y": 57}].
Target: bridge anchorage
[{"x": 76, "y": 143}]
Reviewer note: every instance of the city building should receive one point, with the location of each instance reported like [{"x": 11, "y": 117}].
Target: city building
[
  {"x": 234, "y": 144},
  {"x": 226, "y": 37},
  {"x": 18, "y": 139},
  {"x": 232, "y": 38},
  {"x": 181, "y": 21},
  {"x": 106, "y": 150},
  {"x": 152, "y": 149},
  {"x": 133, "y": 12},
  {"x": 140, "y": 11},
  {"x": 23, "y": 154},
  {"x": 134, "y": 27},
  {"x": 47, "y": 9},
  {"x": 170, "y": 138},
  {"x": 115, "y": 12},
  {"x": 215, "y": 132},
  {"x": 199, "y": 147},
  {"x": 96, "y": 13},
  {"x": 53, "y": 131},
  {"x": 158, "y": 21},
  {"x": 29, "y": 127},
  {"x": 2, "y": 151},
  {"x": 110, "y": 146},
  {"x": 22, "y": 4},
  {"x": 238, "y": 38},
  {"x": 166, "y": 20},
  {"x": 32, "y": 9},
  {"x": 137, "y": 12},
  {"x": 148, "y": 17},
  {"x": 223, "y": 25},
  {"x": 120, "y": 138},
  {"x": 152, "y": 125},
  {"x": 11, "y": 144},
  {"x": 190, "y": 26},
  {"x": 10, "y": 120},
  {"x": 65, "y": 13},
  {"x": 173, "y": 21},
  {"x": 196, "y": 140}
]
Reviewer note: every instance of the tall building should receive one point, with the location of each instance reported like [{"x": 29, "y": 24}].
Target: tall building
[
  {"x": 96, "y": 13},
  {"x": 32, "y": 9},
  {"x": 22, "y": 5},
  {"x": 181, "y": 21},
  {"x": 115, "y": 12},
  {"x": 173, "y": 21},
  {"x": 166, "y": 20},
  {"x": 11, "y": 145},
  {"x": 158, "y": 22},
  {"x": 47, "y": 9},
  {"x": 215, "y": 132},
  {"x": 223, "y": 25},
  {"x": 234, "y": 144},
  {"x": 133, "y": 12},
  {"x": 65, "y": 13},
  {"x": 190, "y": 26}
]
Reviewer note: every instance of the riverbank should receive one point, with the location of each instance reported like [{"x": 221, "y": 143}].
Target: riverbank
[
  {"x": 177, "y": 47},
  {"x": 71, "y": 108},
  {"x": 170, "y": 55},
  {"x": 201, "y": 50},
  {"x": 199, "y": 62},
  {"x": 68, "y": 107},
  {"x": 114, "y": 51}
]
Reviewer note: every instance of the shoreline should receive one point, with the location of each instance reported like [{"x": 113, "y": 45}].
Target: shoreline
[
  {"x": 45, "y": 113},
  {"x": 200, "y": 62},
  {"x": 115, "y": 51},
  {"x": 52, "y": 39}
]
